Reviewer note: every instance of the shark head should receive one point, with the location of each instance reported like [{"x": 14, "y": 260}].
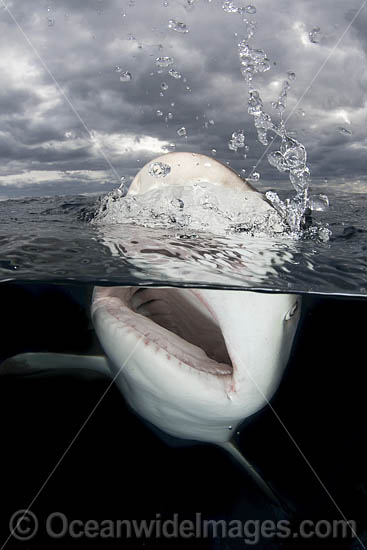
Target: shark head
[
  {"x": 187, "y": 169},
  {"x": 195, "y": 362}
]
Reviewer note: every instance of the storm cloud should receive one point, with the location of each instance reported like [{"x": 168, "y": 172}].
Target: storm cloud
[{"x": 70, "y": 124}]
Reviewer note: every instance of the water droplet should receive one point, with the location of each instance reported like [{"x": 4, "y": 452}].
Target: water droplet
[
  {"x": 122, "y": 189},
  {"x": 182, "y": 132},
  {"x": 243, "y": 171},
  {"x": 255, "y": 176},
  {"x": 214, "y": 152},
  {"x": 159, "y": 169},
  {"x": 277, "y": 160},
  {"x": 172, "y": 103},
  {"x": 237, "y": 141},
  {"x": 175, "y": 74},
  {"x": 125, "y": 76},
  {"x": 166, "y": 4},
  {"x": 164, "y": 86},
  {"x": 300, "y": 179},
  {"x": 159, "y": 112},
  {"x": 255, "y": 103},
  {"x": 172, "y": 145},
  {"x": 211, "y": 122},
  {"x": 50, "y": 22},
  {"x": 230, "y": 427},
  {"x": 314, "y": 35},
  {"x": 250, "y": 28},
  {"x": 170, "y": 116},
  {"x": 319, "y": 203},
  {"x": 178, "y": 203},
  {"x": 164, "y": 61},
  {"x": 118, "y": 69},
  {"x": 344, "y": 131},
  {"x": 291, "y": 75},
  {"x": 250, "y": 9},
  {"x": 229, "y": 7},
  {"x": 177, "y": 26}
]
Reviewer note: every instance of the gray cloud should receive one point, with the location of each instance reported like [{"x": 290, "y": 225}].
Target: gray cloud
[{"x": 82, "y": 42}]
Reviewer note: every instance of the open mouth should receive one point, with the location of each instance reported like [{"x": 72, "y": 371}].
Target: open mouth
[{"x": 194, "y": 337}]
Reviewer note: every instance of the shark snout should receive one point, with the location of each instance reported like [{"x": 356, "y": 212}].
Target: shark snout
[{"x": 202, "y": 360}]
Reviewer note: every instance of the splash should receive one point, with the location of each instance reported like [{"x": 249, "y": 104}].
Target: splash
[
  {"x": 291, "y": 157},
  {"x": 201, "y": 207}
]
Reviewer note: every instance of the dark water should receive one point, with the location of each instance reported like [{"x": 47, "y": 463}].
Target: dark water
[
  {"x": 117, "y": 468},
  {"x": 44, "y": 239}
]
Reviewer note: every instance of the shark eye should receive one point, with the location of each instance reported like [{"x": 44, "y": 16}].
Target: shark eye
[{"x": 291, "y": 312}]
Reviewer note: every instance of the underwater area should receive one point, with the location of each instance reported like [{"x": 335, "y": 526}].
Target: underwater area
[{"x": 94, "y": 94}]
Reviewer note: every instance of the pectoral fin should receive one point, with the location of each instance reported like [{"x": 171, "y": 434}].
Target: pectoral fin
[{"x": 48, "y": 364}]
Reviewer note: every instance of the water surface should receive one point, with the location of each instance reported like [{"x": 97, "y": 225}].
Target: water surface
[{"x": 50, "y": 240}]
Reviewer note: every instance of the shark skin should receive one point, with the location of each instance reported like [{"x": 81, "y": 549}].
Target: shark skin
[
  {"x": 192, "y": 362},
  {"x": 195, "y": 363},
  {"x": 187, "y": 169}
]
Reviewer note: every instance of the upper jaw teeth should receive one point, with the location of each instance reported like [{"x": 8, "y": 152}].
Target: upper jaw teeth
[{"x": 177, "y": 317}]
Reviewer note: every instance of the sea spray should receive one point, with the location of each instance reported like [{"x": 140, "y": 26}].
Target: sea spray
[{"x": 291, "y": 157}]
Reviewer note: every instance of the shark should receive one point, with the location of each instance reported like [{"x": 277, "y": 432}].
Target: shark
[{"x": 192, "y": 362}]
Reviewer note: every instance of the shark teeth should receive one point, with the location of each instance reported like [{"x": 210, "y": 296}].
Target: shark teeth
[{"x": 176, "y": 322}]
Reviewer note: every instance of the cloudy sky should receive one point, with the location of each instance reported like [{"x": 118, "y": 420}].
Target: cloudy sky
[{"x": 69, "y": 124}]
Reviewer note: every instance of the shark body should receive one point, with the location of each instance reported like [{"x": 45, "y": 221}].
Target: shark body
[{"x": 193, "y": 362}]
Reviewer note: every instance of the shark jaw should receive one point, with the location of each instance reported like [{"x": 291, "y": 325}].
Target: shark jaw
[{"x": 193, "y": 362}]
